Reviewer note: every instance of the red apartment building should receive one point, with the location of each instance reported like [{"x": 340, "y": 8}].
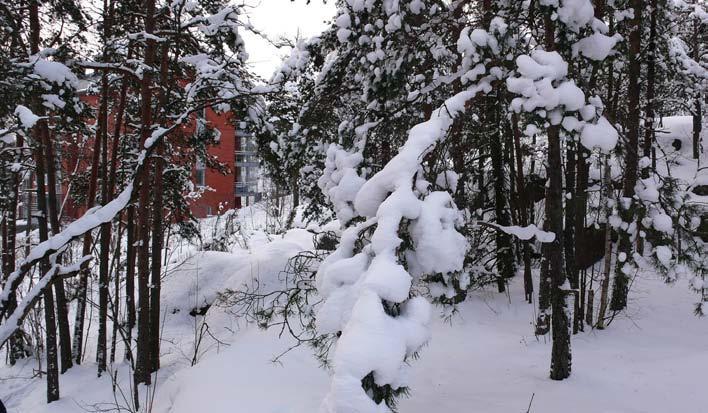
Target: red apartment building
[{"x": 236, "y": 150}]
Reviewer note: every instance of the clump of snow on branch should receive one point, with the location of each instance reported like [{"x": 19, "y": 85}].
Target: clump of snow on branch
[
  {"x": 359, "y": 285},
  {"x": 545, "y": 90},
  {"x": 597, "y": 46},
  {"x": 340, "y": 182},
  {"x": 573, "y": 13},
  {"x": 26, "y": 117}
]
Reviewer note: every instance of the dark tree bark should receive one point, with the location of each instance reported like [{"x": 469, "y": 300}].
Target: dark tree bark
[
  {"x": 143, "y": 362},
  {"x": 85, "y": 272},
  {"x": 105, "y": 237},
  {"x": 523, "y": 207},
  {"x": 101, "y": 346},
  {"x": 560, "y": 332},
  {"x": 157, "y": 224},
  {"x": 9, "y": 229},
  {"x": 49, "y": 316},
  {"x": 621, "y": 285},
  {"x": 130, "y": 231},
  {"x": 698, "y": 36},
  {"x": 110, "y": 194},
  {"x": 570, "y": 215},
  {"x": 129, "y": 228},
  {"x": 39, "y": 160},
  {"x": 604, "y": 288},
  {"x": 505, "y": 253},
  {"x": 61, "y": 303},
  {"x": 52, "y": 210},
  {"x": 651, "y": 80},
  {"x": 49, "y": 305},
  {"x": 106, "y": 196}
]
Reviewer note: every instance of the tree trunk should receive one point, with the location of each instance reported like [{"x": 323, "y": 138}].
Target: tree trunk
[
  {"x": 505, "y": 253},
  {"x": 570, "y": 216},
  {"x": 698, "y": 35},
  {"x": 105, "y": 236},
  {"x": 85, "y": 272},
  {"x": 103, "y": 282},
  {"x": 608, "y": 249},
  {"x": 116, "y": 293},
  {"x": 560, "y": 356},
  {"x": 143, "y": 363},
  {"x": 651, "y": 78},
  {"x": 39, "y": 160},
  {"x": 157, "y": 224},
  {"x": 543, "y": 321},
  {"x": 523, "y": 207},
  {"x": 16, "y": 349},
  {"x": 621, "y": 285},
  {"x": 130, "y": 231},
  {"x": 53, "y": 203}
]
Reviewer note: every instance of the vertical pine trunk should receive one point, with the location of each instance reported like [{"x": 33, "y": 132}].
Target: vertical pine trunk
[
  {"x": 456, "y": 136},
  {"x": 621, "y": 285},
  {"x": 569, "y": 232},
  {"x": 605, "y": 286},
  {"x": 651, "y": 80},
  {"x": 130, "y": 231},
  {"x": 560, "y": 323},
  {"x": 523, "y": 206},
  {"x": 130, "y": 259},
  {"x": 105, "y": 237},
  {"x": 39, "y": 161},
  {"x": 570, "y": 216},
  {"x": 143, "y": 362},
  {"x": 580, "y": 197},
  {"x": 157, "y": 224},
  {"x": 111, "y": 190},
  {"x": 698, "y": 36},
  {"x": 543, "y": 320},
  {"x": 15, "y": 349},
  {"x": 51, "y": 343},
  {"x": 85, "y": 272},
  {"x": 49, "y": 305},
  {"x": 105, "y": 232},
  {"x": 505, "y": 253},
  {"x": 53, "y": 204}
]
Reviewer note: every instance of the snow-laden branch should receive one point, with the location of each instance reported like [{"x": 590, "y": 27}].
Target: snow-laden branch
[
  {"x": 93, "y": 218},
  {"x": 13, "y": 323},
  {"x": 356, "y": 285},
  {"x": 522, "y": 233},
  {"x": 90, "y": 220},
  {"x": 115, "y": 67}
]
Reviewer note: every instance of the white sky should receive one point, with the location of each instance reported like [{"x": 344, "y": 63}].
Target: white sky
[{"x": 282, "y": 18}]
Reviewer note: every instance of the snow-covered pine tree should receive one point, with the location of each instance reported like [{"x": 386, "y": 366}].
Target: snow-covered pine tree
[{"x": 397, "y": 229}]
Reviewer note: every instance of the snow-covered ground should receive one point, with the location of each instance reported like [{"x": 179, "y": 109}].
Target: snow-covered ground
[{"x": 485, "y": 359}]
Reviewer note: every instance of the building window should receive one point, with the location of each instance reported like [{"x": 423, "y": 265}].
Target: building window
[
  {"x": 200, "y": 173},
  {"x": 201, "y": 123}
]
